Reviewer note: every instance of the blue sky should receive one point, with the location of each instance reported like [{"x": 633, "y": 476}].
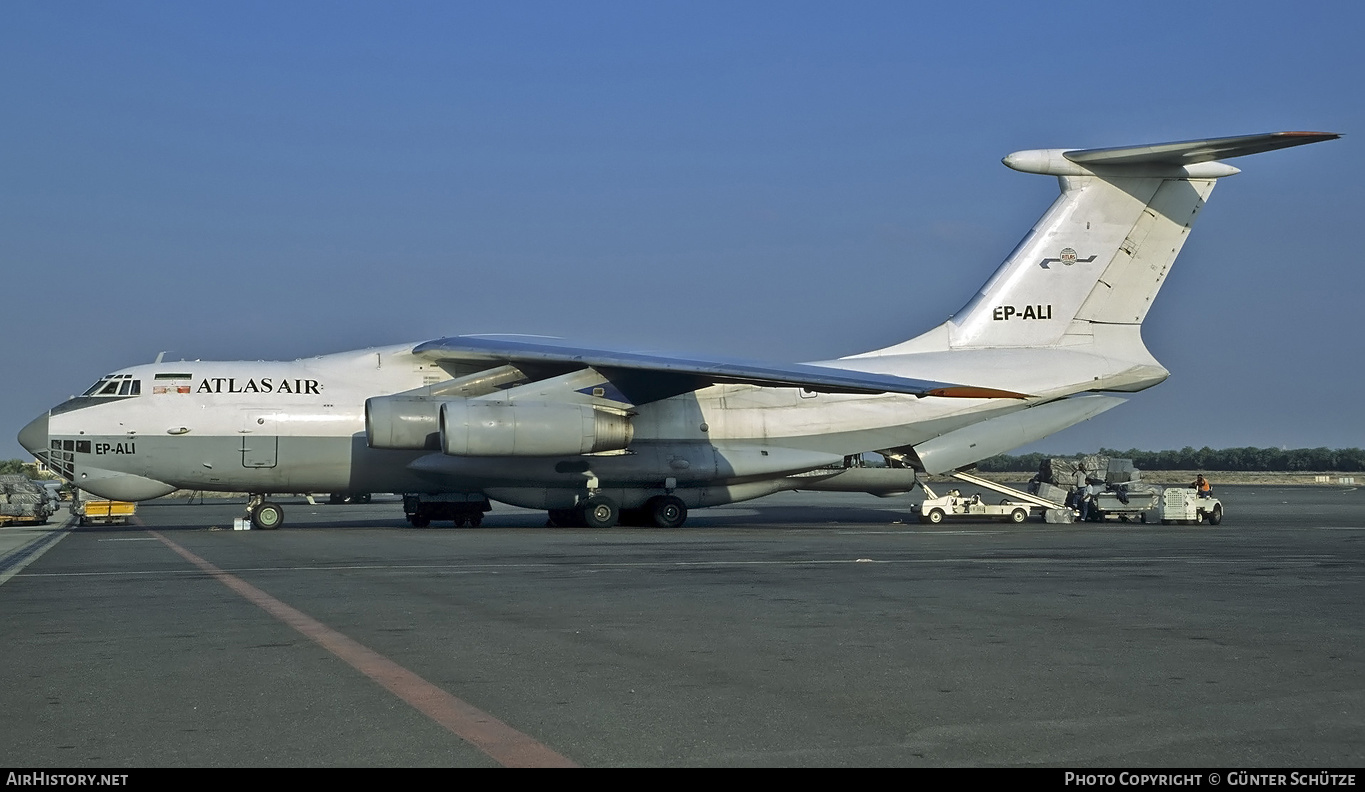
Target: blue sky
[{"x": 778, "y": 181}]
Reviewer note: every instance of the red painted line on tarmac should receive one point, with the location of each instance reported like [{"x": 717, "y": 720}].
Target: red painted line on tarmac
[{"x": 502, "y": 743}]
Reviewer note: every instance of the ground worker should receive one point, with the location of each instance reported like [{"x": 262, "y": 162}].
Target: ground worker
[
  {"x": 1202, "y": 485},
  {"x": 1078, "y": 482},
  {"x": 1090, "y": 508}
]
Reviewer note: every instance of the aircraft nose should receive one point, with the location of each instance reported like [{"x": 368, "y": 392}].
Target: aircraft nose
[{"x": 34, "y": 436}]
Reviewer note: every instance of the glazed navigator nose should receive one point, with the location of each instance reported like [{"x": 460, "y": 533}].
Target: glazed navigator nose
[{"x": 34, "y": 436}]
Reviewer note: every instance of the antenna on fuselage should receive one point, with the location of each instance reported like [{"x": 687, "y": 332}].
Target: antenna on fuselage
[{"x": 160, "y": 355}]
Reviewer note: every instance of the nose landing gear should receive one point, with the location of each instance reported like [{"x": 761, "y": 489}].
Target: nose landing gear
[{"x": 264, "y": 515}]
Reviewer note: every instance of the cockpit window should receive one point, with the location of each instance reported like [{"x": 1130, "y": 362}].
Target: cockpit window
[{"x": 116, "y": 385}]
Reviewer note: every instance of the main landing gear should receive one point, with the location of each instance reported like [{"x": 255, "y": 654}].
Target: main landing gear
[
  {"x": 599, "y": 511},
  {"x": 264, "y": 515}
]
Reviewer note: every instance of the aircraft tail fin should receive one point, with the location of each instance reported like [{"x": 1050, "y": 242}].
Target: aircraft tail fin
[{"x": 1101, "y": 252}]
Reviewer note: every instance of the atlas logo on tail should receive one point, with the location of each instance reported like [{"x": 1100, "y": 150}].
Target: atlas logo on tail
[{"x": 1066, "y": 257}]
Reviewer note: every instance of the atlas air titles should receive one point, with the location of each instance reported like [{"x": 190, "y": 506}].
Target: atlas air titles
[{"x": 262, "y": 385}]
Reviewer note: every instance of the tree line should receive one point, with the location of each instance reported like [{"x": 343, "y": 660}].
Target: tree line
[
  {"x": 1344, "y": 460},
  {"x": 9, "y": 467}
]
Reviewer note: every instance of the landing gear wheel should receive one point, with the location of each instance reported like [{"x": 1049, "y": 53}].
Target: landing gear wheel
[
  {"x": 267, "y": 516},
  {"x": 1018, "y": 515},
  {"x": 420, "y": 520},
  {"x": 935, "y": 517},
  {"x": 667, "y": 511},
  {"x": 1216, "y": 516},
  {"x": 361, "y": 498},
  {"x": 600, "y": 512},
  {"x": 475, "y": 520}
]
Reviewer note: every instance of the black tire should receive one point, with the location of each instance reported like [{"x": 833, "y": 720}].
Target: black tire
[
  {"x": 666, "y": 511},
  {"x": 364, "y": 497},
  {"x": 935, "y": 516},
  {"x": 1018, "y": 516},
  {"x": 335, "y": 498},
  {"x": 475, "y": 520},
  {"x": 600, "y": 512},
  {"x": 1216, "y": 516},
  {"x": 419, "y": 520},
  {"x": 267, "y": 516}
]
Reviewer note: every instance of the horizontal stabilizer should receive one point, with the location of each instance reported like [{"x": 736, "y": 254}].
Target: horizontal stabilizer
[
  {"x": 1190, "y": 152},
  {"x": 1186, "y": 159}
]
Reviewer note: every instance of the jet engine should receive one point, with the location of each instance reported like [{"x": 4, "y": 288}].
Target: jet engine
[
  {"x": 478, "y": 427},
  {"x": 402, "y": 423}
]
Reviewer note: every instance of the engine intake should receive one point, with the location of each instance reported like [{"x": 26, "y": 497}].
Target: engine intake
[
  {"x": 477, "y": 427},
  {"x": 402, "y": 423}
]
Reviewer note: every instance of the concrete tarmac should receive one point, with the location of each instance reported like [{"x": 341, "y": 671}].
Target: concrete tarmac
[{"x": 796, "y": 630}]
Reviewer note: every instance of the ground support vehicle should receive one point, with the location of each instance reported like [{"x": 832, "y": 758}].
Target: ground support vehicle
[
  {"x": 23, "y": 514},
  {"x": 1183, "y": 505},
  {"x": 461, "y": 508},
  {"x": 1015, "y": 508},
  {"x": 335, "y": 498},
  {"x": 1126, "y": 506},
  {"x": 102, "y": 512}
]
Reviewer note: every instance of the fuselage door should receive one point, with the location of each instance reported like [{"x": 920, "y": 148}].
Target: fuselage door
[{"x": 260, "y": 439}]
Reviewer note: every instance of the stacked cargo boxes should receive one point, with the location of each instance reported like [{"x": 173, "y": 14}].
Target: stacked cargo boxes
[{"x": 22, "y": 501}]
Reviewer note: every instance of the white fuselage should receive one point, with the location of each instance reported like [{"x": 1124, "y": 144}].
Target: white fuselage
[{"x": 299, "y": 426}]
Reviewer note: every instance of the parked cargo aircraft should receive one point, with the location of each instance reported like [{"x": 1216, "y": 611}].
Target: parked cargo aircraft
[{"x": 594, "y": 436}]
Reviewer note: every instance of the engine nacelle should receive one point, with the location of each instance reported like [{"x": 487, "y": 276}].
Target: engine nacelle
[
  {"x": 410, "y": 421},
  {"x": 402, "y": 423},
  {"x": 478, "y": 427}
]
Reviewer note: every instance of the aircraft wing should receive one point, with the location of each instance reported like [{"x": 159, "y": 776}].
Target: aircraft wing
[{"x": 644, "y": 378}]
